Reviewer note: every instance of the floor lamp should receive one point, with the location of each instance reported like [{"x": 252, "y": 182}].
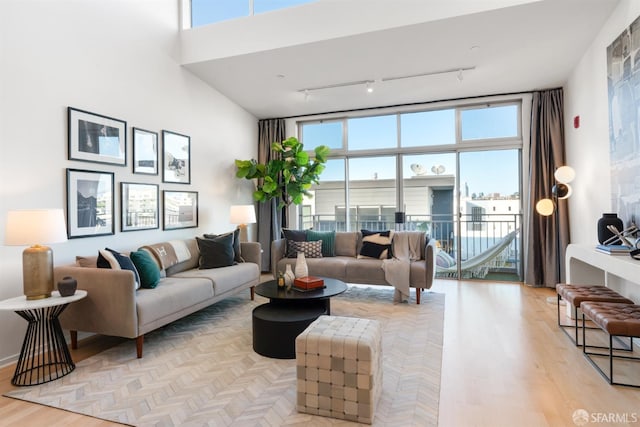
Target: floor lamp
[{"x": 546, "y": 207}]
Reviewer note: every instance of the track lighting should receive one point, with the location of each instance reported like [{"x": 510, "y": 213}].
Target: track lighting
[{"x": 369, "y": 83}]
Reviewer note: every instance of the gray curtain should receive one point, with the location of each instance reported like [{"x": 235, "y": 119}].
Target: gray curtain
[
  {"x": 547, "y": 237},
  {"x": 269, "y": 216}
]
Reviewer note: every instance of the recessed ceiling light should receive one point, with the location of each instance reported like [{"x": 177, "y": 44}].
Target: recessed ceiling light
[
  {"x": 474, "y": 48},
  {"x": 280, "y": 76}
]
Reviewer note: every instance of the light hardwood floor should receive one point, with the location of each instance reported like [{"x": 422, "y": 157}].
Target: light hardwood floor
[{"x": 505, "y": 363}]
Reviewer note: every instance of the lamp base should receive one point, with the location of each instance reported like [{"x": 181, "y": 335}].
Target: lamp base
[
  {"x": 37, "y": 272},
  {"x": 244, "y": 235}
]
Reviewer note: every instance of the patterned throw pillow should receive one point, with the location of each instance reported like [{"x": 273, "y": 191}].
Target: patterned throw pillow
[
  {"x": 293, "y": 236},
  {"x": 376, "y": 244},
  {"x": 310, "y": 249}
]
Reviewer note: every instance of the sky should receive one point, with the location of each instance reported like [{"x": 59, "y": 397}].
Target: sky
[{"x": 210, "y": 11}]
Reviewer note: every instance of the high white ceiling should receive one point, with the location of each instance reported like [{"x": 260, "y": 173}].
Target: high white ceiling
[{"x": 524, "y": 47}]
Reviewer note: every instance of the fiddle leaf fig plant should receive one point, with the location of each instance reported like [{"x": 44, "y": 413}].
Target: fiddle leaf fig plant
[{"x": 289, "y": 176}]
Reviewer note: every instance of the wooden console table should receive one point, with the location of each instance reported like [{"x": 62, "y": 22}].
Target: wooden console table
[{"x": 621, "y": 273}]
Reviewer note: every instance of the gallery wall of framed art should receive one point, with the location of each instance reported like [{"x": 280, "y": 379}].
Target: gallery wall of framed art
[{"x": 93, "y": 207}]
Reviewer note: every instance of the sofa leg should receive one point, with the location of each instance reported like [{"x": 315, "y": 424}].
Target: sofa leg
[
  {"x": 139, "y": 342},
  {"x": 74, "y": 339},
  {"x": 418, "y": 292},
  {"x": 253, "y": 292}
]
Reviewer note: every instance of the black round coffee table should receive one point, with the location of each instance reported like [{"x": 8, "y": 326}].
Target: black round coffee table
[{"x": 277, "y": 323}]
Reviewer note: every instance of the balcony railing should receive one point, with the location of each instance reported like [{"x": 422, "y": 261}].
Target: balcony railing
[{"x": 478, "y": 234}]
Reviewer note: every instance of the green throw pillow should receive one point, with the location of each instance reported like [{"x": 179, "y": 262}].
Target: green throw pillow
[
  {"x": 147, "y": 268},
  {"x": 217, "y": 252},
  {"x": 328, "y": 241}
]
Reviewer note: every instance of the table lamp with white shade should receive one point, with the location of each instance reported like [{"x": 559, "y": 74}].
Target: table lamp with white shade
[
  {"x": 36, "y": 227},
  {"x": 242, "y": 215}
]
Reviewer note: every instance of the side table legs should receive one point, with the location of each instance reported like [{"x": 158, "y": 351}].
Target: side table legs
[{"x": 44, "y": 356}]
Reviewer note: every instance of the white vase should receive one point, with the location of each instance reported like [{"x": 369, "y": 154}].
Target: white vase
[
  {"x": 288, "y": 276},
  {"x": 301, "y": 266}
]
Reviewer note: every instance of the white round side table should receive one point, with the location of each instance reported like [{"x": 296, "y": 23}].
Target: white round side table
[{"x": 44, "y": 356}]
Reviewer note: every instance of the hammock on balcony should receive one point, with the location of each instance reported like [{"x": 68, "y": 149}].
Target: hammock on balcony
[{"x": 477, "y": 266}]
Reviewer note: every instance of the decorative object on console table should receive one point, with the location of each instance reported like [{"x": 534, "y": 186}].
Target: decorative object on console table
[
  {"x": 308, "y": 283},
  {"x": 608, "y": 219},
  {"x": 301, "y": 266},
  {"x": 30, "y": 227},
  {"x": 614, "y": 249},
  {"x": 241, "y": 215}
]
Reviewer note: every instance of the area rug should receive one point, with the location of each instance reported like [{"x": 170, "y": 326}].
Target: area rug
[{"x": 202, "y": 370}]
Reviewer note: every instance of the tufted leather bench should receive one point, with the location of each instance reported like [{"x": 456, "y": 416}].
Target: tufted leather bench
[
  {"x": 577, "y": 294},
  {"x": 617, "y": 320}
]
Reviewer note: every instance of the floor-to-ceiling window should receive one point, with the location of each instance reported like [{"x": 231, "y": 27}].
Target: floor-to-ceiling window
[{"x": 453, "y": 172}]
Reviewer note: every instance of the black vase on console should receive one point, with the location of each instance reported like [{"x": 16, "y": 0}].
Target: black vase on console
[{"x": 608, "y": 219}]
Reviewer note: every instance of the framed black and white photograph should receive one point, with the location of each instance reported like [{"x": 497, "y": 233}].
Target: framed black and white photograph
[
  {"x": 176, "y": 158},
  {"x": 180, "y": 209},
  {"x": 96, "y": 138},
  {"x": 145, "y": 152},
  {"x": 139, "y": 206},
  {"x": 89, "y": 203}
]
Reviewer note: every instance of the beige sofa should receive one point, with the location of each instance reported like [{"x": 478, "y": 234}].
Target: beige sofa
[
  {"x": 346, "y": 265},
  {"x": 114, "y": 307}
]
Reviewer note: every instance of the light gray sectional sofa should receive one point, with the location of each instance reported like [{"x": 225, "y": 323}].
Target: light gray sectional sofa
[
  {"x": 346, "y": 265},
  {"x": 115, "y": 307}
]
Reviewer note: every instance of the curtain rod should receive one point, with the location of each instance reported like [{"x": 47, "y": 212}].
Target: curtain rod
[{"x": 410, "y": 104}]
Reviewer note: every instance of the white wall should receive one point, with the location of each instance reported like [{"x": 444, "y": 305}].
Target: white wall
[
  {"x": 588, "y": 146},
  {"x": 116, "y": 58}
]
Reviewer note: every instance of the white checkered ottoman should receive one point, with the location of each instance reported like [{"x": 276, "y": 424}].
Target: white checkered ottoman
[{"x": 339, "y": 368}]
